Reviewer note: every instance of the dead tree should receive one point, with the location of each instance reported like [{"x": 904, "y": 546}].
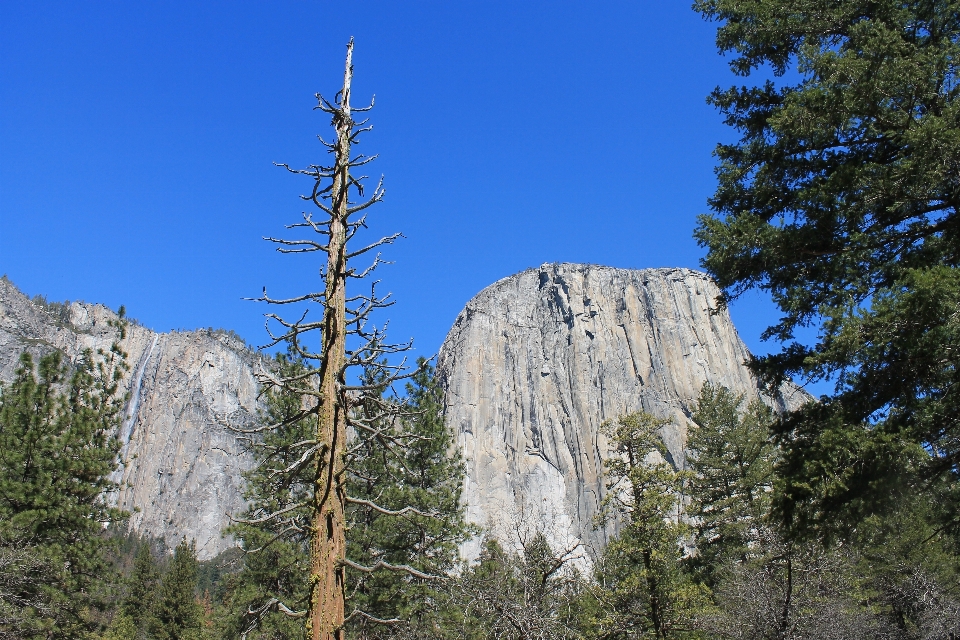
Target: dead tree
[{"x": 348, "y": 341}]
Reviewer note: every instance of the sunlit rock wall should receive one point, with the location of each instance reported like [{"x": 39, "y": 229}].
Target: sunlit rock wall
[
  {"x": 182, "y": 471},
  {"x": 535, "y": 363}
]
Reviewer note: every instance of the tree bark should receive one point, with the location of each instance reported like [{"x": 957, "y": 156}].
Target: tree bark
[
  {"x": 656, "y": 614},
  {"x": 328, "y": 548}
]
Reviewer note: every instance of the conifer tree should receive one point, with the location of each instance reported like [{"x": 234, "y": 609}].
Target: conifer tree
[
  {"x": 57, "y": 449},
  {"x": 141, "y": 586},
  {"x": 840, "y": 198},
  {"x": 731, "y": 456},
  {"x": 337, "y": 347},
  {"x": 175, "y": 613},
  {"x": 404, "y": 512},
  {"x": 642, "y": 585},
  {"x": 419, "y": 487},
  {"x": 268, "y": 596},
  {"x": 764, "y": 585},
  {"x": 122, "y": 627}
]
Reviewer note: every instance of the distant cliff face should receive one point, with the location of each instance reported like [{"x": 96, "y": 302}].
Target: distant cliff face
[
  {"x": 183, "y": 464},
  {"x": 535, "y": 363},
  {"x": 532, "y": 366}
]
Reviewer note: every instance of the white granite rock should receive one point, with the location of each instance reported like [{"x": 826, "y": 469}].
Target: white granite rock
[
  {"x": 182, "y": 468},
  {"x": 532, "y": 366},
  {"x": 535, "y": 363}
]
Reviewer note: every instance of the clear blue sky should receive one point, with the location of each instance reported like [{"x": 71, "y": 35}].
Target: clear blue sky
[{"x": 136, "y": 142}]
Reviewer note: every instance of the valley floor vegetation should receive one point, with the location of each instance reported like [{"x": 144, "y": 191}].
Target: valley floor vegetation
[{"x": 698, "y": 553}]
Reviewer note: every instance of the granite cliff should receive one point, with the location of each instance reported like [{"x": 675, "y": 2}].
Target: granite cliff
[
  {"x": 532, "y": 366},
  {"x": 535, "y": 362},
  {"x": 182, "y": 468}
]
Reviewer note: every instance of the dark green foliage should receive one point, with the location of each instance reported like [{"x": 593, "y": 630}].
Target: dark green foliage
[
  {"x": 641, "y": 582},
  {"x": 879, "y": 584},
  {"x": 909, "y": 571},
  {"x": 141, "y": 586},
  {"x": 57, "y": 449},
  {"x": 25, "y": 608},
  {"x": 275, "y": 567},
  {"x": 412, "y": 465},
  {"x": 840, "y": 199},
  {"x": 175, "y": 613},
  {"x": 732, "y": 458},
  {"x": 213, "y": 574}
]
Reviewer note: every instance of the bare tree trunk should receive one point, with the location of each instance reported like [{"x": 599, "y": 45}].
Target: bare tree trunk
[
  {"x": 656, "y": 614},
  {"x": 329, "y": 547},
  {"x": 324, "y": 391}
]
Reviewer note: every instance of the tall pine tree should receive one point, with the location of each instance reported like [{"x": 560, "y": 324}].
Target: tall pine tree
[
  {"x": 732, "y": 456},
  {"x": 141, "y": 587},
  {"x": 644, "y": 590},
  {"x": 57, "y": 449},
  {"x": 175, "y": 612},
  {"x": 418, "y": 483},
  {"x": 840, "y": 199},
  {"x": 268, "y": 597}
]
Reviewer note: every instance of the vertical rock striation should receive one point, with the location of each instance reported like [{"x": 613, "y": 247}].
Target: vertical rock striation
[
  {"x": 183, "y": 465},
  {"x": 536, "y": 361}
]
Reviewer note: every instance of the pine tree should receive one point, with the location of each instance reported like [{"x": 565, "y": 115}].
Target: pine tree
[
  {"x": 841, "y": 199},
  {"x": 642, "y": 585},
  {"x": 732, "y": 456},
  {"x": 141, "y": 587},
  {"x": 176, "y": 614},
  {"x": 404, "y": 512},
  {"x": 57, "y": 450},
  {"x": 348, "y": 343},
  {"x": 419, "y": 484},
  {"x": 122, "y": 627},
  {"x": 764, "y": 584},
  {"x": 274, "y": 579}
]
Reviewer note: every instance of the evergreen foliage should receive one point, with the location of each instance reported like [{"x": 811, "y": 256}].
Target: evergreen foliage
[
  {"x": 643, "y": 587},
  {"x": 840, "y": 199},
  {"x": 275, "y": 565},
  {"x": 175, "y": 613},
  {"x": 122, "y": 627},
  {"x": 57, "y": 450},
  {"x": 412, "y": 469},
  {"x": 142, "y": 583},
  {"x": 730, "y": 489},
  {"x": 765, "y": 585}
]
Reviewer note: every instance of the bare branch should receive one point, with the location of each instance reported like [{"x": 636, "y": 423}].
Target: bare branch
[
  {"x": 382, "y": 241},
  {"x": 396, "y": 568},
  {"x": 388, "y": 512},
  {"x": 260, "y": 613},
  {"x": 271, "y": 516}
]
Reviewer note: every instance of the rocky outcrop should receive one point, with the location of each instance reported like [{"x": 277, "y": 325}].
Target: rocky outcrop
[
  {"x": 183, "y": 465},
  {"x": 535, "y": 363}
]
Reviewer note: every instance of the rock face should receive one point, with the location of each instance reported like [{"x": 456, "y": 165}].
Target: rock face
[
  {"x": 532, "y": 366},
  {"x": 182, "y": 471},
  {"x": 536, "y": 361}
]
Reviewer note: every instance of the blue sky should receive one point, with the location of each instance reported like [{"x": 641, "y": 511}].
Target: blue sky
[{"x": 137, "y": 142}]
